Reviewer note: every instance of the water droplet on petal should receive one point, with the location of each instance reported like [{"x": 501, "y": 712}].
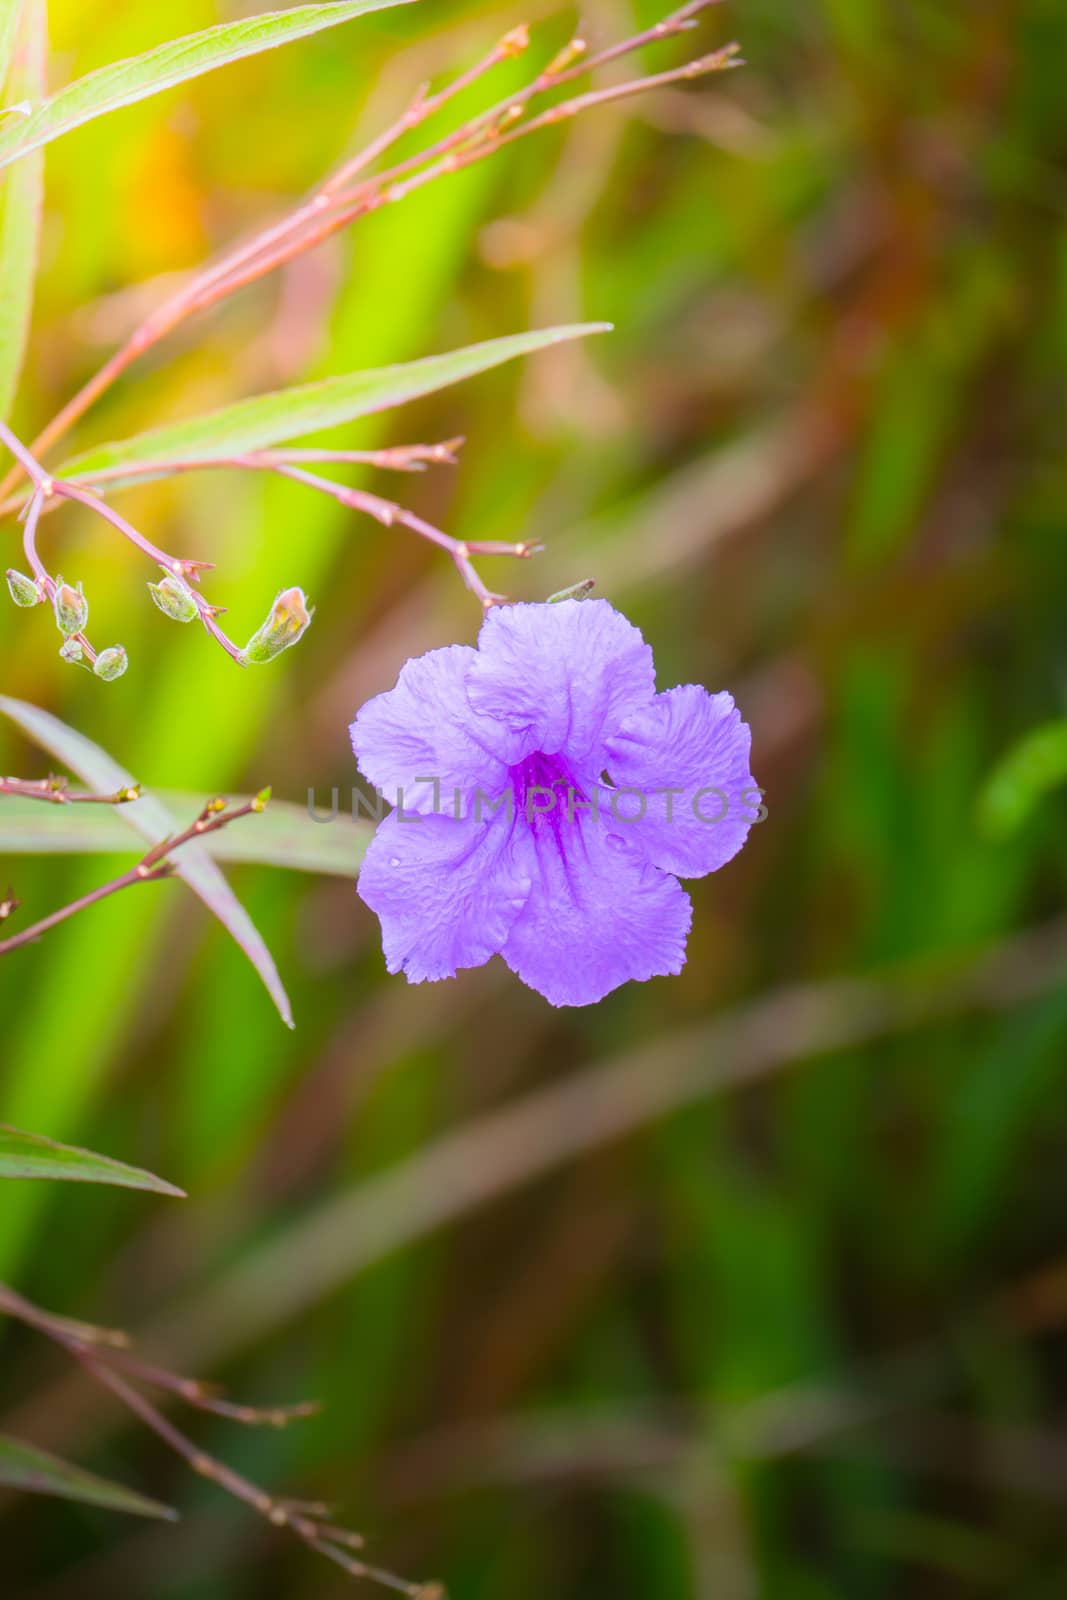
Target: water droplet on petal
[
  {"x": 394, "y": 861},
  {"x": 616, "y": 841}
]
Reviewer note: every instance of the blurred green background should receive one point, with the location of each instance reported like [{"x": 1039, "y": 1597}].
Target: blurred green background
[{"x": 592, "y": 1312}]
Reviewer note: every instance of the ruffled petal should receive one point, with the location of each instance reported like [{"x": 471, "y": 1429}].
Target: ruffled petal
[
  {"x": 597, "y": 915},
  {"x": 446, "y": 892},
  {"x": 690, "y": 741},
  {"x": 424, "y": 728},
  {"x": 560, "y": 677}
]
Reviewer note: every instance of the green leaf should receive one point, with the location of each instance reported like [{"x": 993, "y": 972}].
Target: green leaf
[
  {"x": 30, "y": 1155},
  {"x": 1030, "y": 770},
  {"x": 125, "y": 82},
  {"x": 21, "y": 193},
  {"x": 23, "y": 1466},
  {"x": 288, "y": 414},
  {"x": 151, "y": 819},
  {"x": 283, "y": 836}
]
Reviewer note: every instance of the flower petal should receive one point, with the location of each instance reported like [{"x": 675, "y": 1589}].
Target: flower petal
[
  {"x": 560, "y": 677},
  {"x": 690, "y": 741},
  {"x": 446, "y": 892},
  {"x": 597, "y": 915},
  {"x": 424, "y": 728}
]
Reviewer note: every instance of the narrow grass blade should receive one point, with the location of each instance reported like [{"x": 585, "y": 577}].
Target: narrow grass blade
[
  {"x": 23, "y": 1466},
  {"x": 21, "y": 194},
  {"x": 284, "y": 836},
  {"x": 122, "y": 83},
  {"x": 287, "y": 414},
  {"x": 30, "y": 1155},
  {"x": 151, "y": 819}
]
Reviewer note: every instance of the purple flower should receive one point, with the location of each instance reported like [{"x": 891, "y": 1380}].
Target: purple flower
[{"x": 548, "y": 795}]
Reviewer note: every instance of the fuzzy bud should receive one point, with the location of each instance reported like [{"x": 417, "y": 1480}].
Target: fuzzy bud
[
  {"x": 71, "y": 650},
  {"x": 71, "y": 607},
  {"x": 174, "y": 599},
  {"x": 111, "y": 663},
  {"x": 288, "y": 619},
  {"x": 572, "y": 52},
  {"x": 23, "y": 590},
  {"x": 515, "y": 42}
]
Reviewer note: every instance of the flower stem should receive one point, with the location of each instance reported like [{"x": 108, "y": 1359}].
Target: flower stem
[
  {"x": 331, "y": 208},
  {"x": 98, "y": 1351},
  {"x": 55, "y": 792},
  {"x": 154, "y": 864}
]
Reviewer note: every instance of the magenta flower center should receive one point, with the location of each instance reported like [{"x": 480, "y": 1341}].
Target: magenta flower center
[{"x": 533, "y": 780}]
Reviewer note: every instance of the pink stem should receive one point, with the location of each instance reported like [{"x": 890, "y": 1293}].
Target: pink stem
[
  {"x": 330, "y": 210},
  {"x": 55, "y": 792},
  {"x": 387, "y": 512},
  {"x": 68, "y": 491},
  {"x": 33, "y": 469},
  {"x": 548, "y": 80},
  {"x": 423, "y": 107},
  {"x": 29, "y": 544},
  {"x": 152, "y": 865},
  {"x": 457, "y": 160},
  {"x": 123, "y": 881},
  {"x": 170, "y": 564},
  {"x": 396, "y": 458},
  {"x": 308, "y": 1523}
]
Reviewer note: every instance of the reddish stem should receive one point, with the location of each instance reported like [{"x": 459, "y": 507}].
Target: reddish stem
[
  {"x": 388, "y": 512},
  {"x": 308, "y": 1522},
  {"x": 55, "y": 792},
  {"x": 124, "y": 881},
  {"x": 329, "y": 209},
  {"x": 152, "y": 865}
]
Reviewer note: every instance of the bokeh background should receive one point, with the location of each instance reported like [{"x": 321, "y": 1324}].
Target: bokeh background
[{"x": 749, "y": 1283}]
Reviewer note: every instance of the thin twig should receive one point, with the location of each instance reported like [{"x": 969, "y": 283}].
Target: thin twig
[
  {"x": 46, "y": 584},
  {"x": 98, "y": 1351},
  {"x": 388, "y": 513},
  {"x": 394, "y": 458},
  {"x": 288, "y": 463},
  {"x": 154, "y": 864},
  {"x": 56, "y": 792},
  {"x": 32, "y": 468},
  {"x": 204, "y": 1397},
  {"x": 330, "y": 208},
  {"x": 328, "y": 214},
  {"x": 552, "y": 78},
  {"x": 172, "y": 565},
  {"x": 499, "y": 137},
  {"x": 48, "y": 489}
]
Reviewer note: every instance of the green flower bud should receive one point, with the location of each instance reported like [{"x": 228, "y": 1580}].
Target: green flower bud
[
  {"x": 577, "y": 591},
  {"x": 174, "y": 598},
  {"x": 71, "y": 650},
  {"x": 71, "y": 607},
  {"x": 111, "y": 663},
  {"x": 288, "y": 620},
  {"x": 23, "y": 590}
]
